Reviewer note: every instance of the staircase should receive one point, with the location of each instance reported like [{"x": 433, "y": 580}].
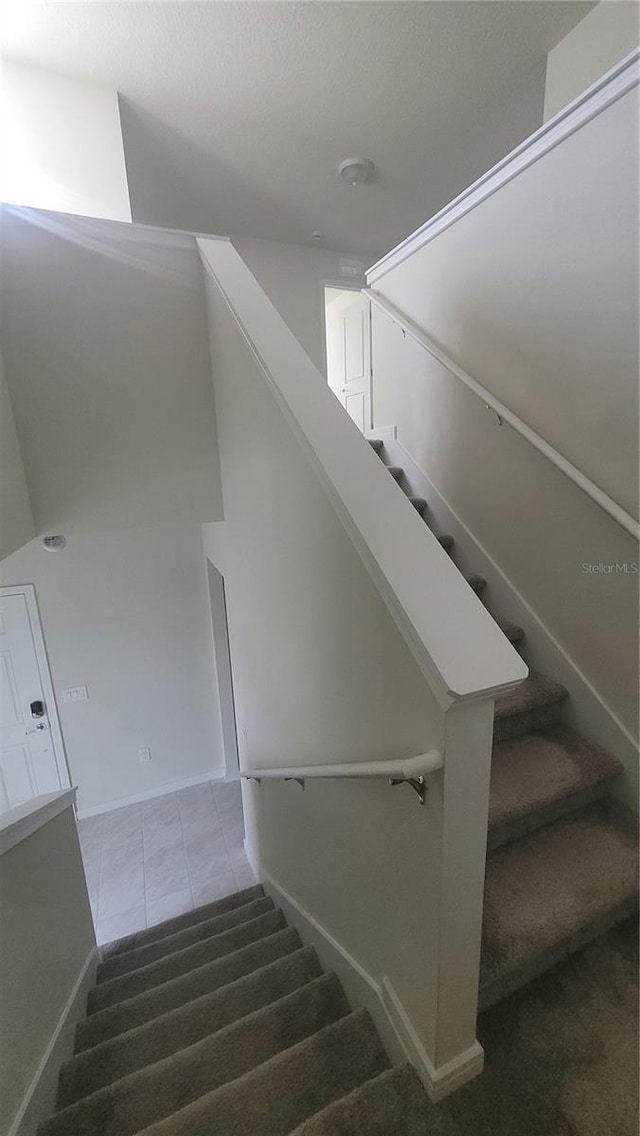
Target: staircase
[
  {"x": 562, "y": 865},
  {"x": 220, "y": 1022}
]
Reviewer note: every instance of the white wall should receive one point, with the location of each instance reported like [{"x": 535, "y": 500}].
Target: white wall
[
  {"x": 107, "y": 358},
  {"x": 61, "y": 144},
  {"x": 535, "y": 293},
  {"x": 16, "y": 518},
  {"x": 293, "y": 276},
  {"x": 46, "y": 950},
  {"x": 605, "y": 35}
]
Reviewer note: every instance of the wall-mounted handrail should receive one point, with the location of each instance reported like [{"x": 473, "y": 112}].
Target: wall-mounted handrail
[
  {"x": 505, "y": 415},
  {"x": 410, "y": 770}
]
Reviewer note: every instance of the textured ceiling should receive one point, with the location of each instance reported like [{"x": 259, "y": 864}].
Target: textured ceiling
[{"x": 235, "y": 115}]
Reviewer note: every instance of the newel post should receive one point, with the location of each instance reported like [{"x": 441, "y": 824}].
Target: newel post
[{"x": 465, "y": 805}]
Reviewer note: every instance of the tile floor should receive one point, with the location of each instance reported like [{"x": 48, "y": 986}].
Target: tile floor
[{"x": 145, "y": 863}]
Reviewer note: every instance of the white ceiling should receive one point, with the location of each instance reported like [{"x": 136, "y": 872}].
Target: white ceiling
[{"x": 236, "y": 114}]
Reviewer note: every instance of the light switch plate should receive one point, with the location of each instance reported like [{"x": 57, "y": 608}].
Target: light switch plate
[{"x": 75, "y": 694}]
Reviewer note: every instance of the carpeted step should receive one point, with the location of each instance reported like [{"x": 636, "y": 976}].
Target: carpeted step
[
  {"x": 277, "y": 1096},
  {"x": 419, "y": 504},
  {"x": 150, "y": 952},
  {"x": 539, "y": 777},
  {"x": 179, "y": 1028},
  {"x": 164, "y": 969},
  {"x": 178, "y": 922},
  {"x": 513, "y": 633},
  {"x": 446, "y": 541},
  {"x": 393, "y": 1104},
  {"x": 396, "y": 472},
  {"x": 376, "y": 444},
  {"x": 476, "y": 583},
  {"x": 156, "y": 1091},
  {"x": 533, "y": 705},
  {"x": 551, "y": 893},
  {"x": 136, "y": 1011}
]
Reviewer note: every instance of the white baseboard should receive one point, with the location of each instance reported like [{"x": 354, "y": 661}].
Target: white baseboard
[
  {"x": 149, "y": 795},
  {"x": 39, "y": 1100},
  {"x": 379, "y": 998},
  {"x": 586, "y": 711}
]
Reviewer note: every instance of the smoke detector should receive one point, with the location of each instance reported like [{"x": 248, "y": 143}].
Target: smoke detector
[
  {"x": 355, "y": 171},
  {"x": 54, "y": 543}
]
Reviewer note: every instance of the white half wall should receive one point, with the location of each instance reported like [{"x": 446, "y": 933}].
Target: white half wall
[
  {"x": 48, "y": 959},
  {"x": 61, "y": 144},
  {"x": 606, "y": 34},
  {"x": 16, "y": 517},
  {"x": 107, "y": 358}
]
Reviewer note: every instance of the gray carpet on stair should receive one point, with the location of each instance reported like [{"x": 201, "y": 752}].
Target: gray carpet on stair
[
  {"x": 391, "y": 1103},
  {"x": 550, "y": 893},
  {"x": 167, "y": 945},
  {"x": 127, "y": 1015},
  {"x": 164, "y": 1087},
  {"x": 275, "y": 1098},
  {"x": 178, "y": 922},
  {"x": 181, "y": 1027},
  {"x": 182, "y": 962}
]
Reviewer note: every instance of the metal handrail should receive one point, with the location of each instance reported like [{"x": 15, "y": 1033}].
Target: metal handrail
[
  {"x": 505, "y": 415},
  {"x": 411, "y": 771}
]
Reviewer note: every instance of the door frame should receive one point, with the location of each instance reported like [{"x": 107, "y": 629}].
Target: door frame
[
  {"x": 42, "y": 660},
  {"x": 345, "y": 286}
]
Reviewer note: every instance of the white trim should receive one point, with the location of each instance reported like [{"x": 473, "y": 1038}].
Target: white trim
[
  {"x": 42, "y": 660},
  {"x": 379, "y": 998},
  {"x": 624, "y": 519},
  {"x": 39, "y": 1099},
  {"x": 420, "y": 766},
  {"x": 439, "y": 1083},
  {"x": 607, "y": 90},
  {"x": 19, "y": 823},
  {"x": 149, "y": 794}
]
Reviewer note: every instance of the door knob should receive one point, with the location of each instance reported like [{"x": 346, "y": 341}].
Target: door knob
[{"x": 40, "y": 726}]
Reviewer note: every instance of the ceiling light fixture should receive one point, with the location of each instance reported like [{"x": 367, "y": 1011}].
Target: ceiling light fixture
[{"x": 356, "y": 171}]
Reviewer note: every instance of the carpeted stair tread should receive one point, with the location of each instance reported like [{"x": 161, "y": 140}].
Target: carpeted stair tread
[
  {"x": 115, "y": 1020},
  {"x": 276, "y": 1097},
  {"x": 476, "y": 583},
  {"x": 169, "y": 944},
  {"x": 163, "y": 970},
  {"x": 178, "y": 922},
  {"x": 513, "y": 632},
  {"x": 550, "y": 893},
  {"x": 392, "y": 1103},
  {"x": 396, "y": 472},
  {"x": 418, "y": 503},
  {"x": 376, "y": 444},
  {"x": 538, "y": 777},
  {"x": 126, "y": 1053},
  {"x": 534, "y": 704},
  {"x": 164, "y": 1087},
  {"x": 446, "y": 541}
]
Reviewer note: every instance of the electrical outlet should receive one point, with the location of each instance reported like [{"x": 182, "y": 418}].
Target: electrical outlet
[{"x": 144, "y": 753}]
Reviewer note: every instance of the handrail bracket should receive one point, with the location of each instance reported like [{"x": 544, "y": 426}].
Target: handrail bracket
[
  {"x": 298, "y": 780},
  {"x": 418, "y": 784}
]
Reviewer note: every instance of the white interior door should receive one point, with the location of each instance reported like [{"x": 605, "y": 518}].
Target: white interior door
[
  {"x": 29, "y": 762},
  {"x": 348, "y": 319}
]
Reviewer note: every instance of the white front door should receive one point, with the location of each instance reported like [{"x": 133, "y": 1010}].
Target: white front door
[
  {"x": 349, "y": 324},
  {"x": 29, "y": 763}
]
